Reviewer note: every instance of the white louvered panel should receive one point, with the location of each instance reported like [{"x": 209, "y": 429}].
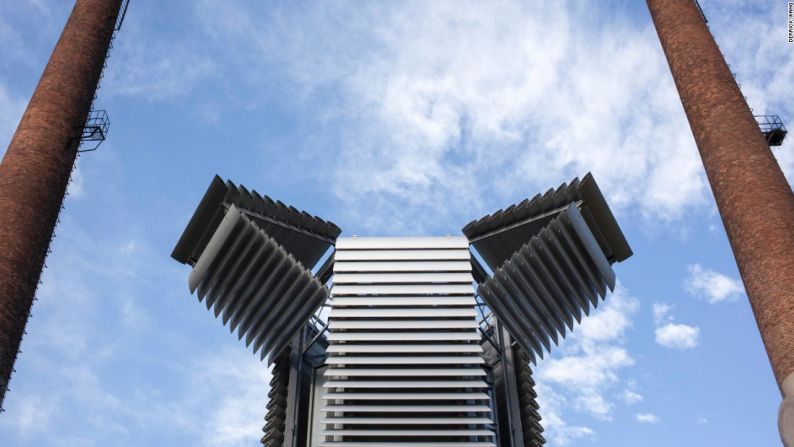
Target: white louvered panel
[
  {"x": 403, "y": 278},
  {"x": 399, "y": 421},
  {"x": 403, "y": 336},
  {"x": 401, "y": 243},
  {"x": 397, "y": 324},
  {"x": 404, "y": 341},
  {"x": 407, "y": 408},
  {"x": 402, "y": 255},
  {"x": 402, "y": 266},
  {"x": 406, "y": 396},
  {"x": 399, "y": 360},
  {"x": 407, "y": 444},
  {"x": 337, "y": 372},
  {"x": 350, "y": 347},
  {"x": 407, "y": 289},
  {"x": 405, "y": 384},
  {"x": 405, "y": 301},
  {"x": 411, "y": 313}
]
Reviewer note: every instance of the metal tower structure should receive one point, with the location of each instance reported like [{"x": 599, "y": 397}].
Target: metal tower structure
[
  {"x": 36, "y": 168},
  {"x": 753, "y": 197},
  {"x": 402, "y": 341}
]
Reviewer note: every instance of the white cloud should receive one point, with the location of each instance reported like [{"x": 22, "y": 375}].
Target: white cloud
[
  {"x": 631, "y": 397},
  {"x": 670, "y": 334},
  {"x": 702, "y": 420},
  {"x": 712, "y": 286},
  {"x": 647, "y": 418},
  {"x": 556, "y": 429},
  {"x": 432, "y": 98},
  {"x": 585, "y": 371},
  {"x": 678, "y": 336}
]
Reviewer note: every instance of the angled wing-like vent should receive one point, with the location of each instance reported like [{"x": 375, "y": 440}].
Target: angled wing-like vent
[
  {"x": 549, "y": 282},
  {"x": 304, "y": 236},
  {"x": 254, "y": 284},
  {"x": 497, "y": 236}
]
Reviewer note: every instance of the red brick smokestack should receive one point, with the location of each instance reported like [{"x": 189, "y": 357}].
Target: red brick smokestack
[
  {"x": 36, "y": 167},
  {"x": 754, "y": 199}
]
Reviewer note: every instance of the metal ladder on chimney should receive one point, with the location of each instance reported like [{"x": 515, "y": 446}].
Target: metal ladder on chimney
[{"x": 97, "y": 123}]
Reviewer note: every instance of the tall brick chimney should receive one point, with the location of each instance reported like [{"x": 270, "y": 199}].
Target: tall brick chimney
[
  {"x": 36, "y": 167},
  {"x": 754, "y": 199}
]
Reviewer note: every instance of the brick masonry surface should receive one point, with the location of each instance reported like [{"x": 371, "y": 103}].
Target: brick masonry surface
[
  {"x": 754, "y": 199},
  {"x": 36, "y": 167}
]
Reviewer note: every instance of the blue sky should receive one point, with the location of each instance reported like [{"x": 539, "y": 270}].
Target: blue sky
[{"x": 389, "y": 118}]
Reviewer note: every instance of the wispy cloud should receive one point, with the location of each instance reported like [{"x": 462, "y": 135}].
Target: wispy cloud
[
  {"x": 428, "y": 99},
  {"x": 670, "y": 334},
  {"x": 587, "y": 370},
  {"x": 710, "y": 285},
  {"x": 647, "y": 418}
]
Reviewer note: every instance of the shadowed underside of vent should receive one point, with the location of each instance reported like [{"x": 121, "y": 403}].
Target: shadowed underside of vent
[
  {"x": 301, "y": 234},
  {"x": 405, "y": 364}
]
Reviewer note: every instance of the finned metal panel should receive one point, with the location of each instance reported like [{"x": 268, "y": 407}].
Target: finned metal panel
[
  {"x": 254, "y": 283},
  {"x": 403, "y": 341},
  {"x": 547, "y": 284}
]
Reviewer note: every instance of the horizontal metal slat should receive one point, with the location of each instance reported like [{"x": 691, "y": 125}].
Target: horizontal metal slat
[
  {"x": 407, "y": 421},
  {"x": 402, "y": 372},
  {"x": 400, "y": 243},
  {"x": 408, "y": 408},
  {"x": 350, "y": 348},
  {"x": 401, "y": 255},
  {"x": 413, "y": 313},
  {"x": 403, "y": 336},
  {"x": 403, "y": 278},
  {"x": 435, "y": 360},
  {"x": 402, "y": 266},
  {"x": 409, "y": 289},
  {"x": 404, "y": 301},
  {"x": 411, "y": 432},
  {"x": 403, "y": 324},
  {"x": 407, "y": 444},
  {"x": 406, "y": 396},
  {"x": 405, "y": 384}
]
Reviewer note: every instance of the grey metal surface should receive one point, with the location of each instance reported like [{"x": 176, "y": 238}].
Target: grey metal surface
[
  {"x": 549, "y": 283},
  {"x": 403, "y": 346},
  {"x": 265, "y": 293}
]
